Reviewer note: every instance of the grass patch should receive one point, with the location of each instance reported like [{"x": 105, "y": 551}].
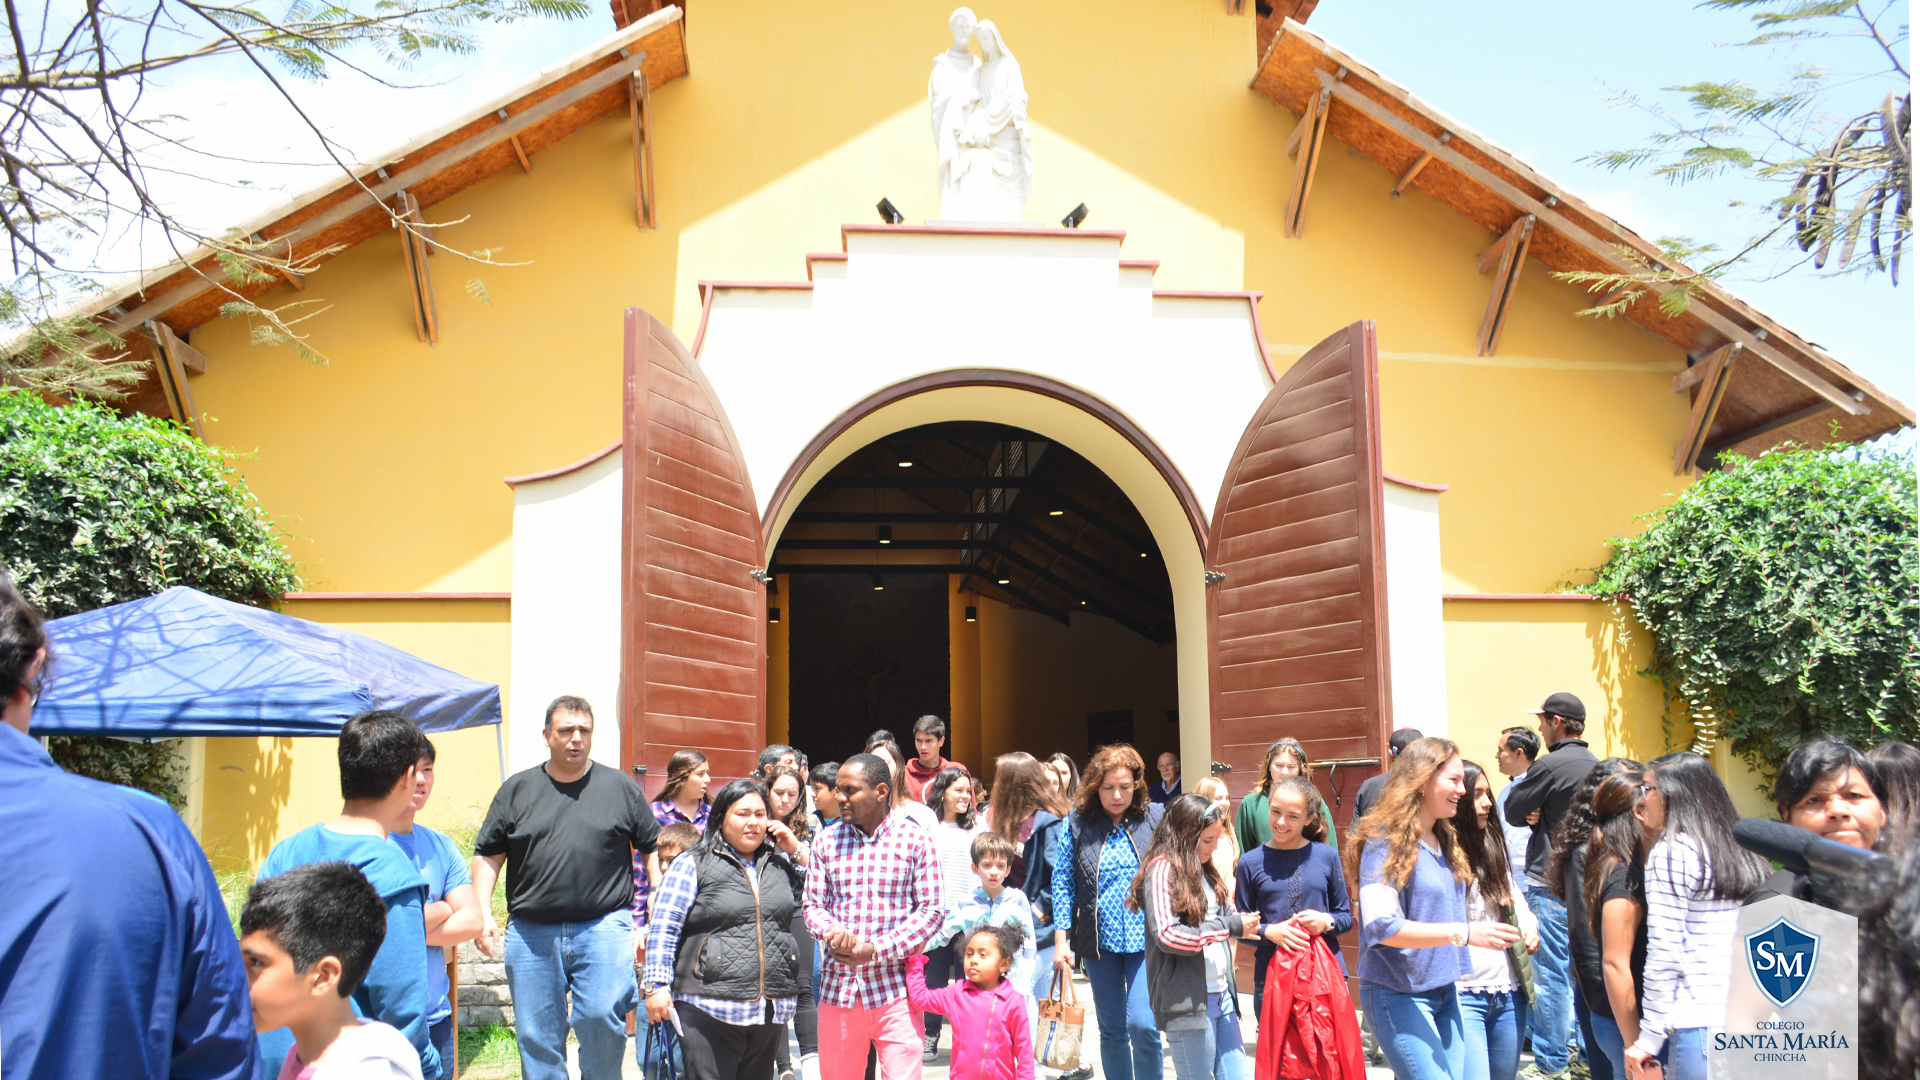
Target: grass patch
[
  {"x": 233, "y": 889},
  {"x": 463, "y": 834},
  {"x": 489, "y": 1052}
]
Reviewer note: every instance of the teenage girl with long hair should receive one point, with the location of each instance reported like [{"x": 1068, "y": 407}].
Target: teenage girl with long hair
[
  {"x": 1227, "y": 855},
  {"x": 1495, "y": 995},
  {"x": 950, "y": 795},
  {"x": 1110, "y": 827},
  {"x": 1029, "y": 810},
  {"x": 1066, "y": 775},
  {"x": 1613, "y": 897},
  {"x": 1190, "y": 932},
  {"x": 1566, "y": 878},
  {"x": 1293, "y": 882},
  {"x": 1414, "y": 930},
  {"x": 683, "y": 799},
  {"x": 1696, "y": 875},
  {"x": 1286, "y": 757}
]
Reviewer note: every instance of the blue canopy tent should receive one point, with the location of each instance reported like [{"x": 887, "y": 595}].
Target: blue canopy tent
[{"x": 184, "y": 663}]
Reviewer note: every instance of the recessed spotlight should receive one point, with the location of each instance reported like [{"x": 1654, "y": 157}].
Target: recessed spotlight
[
  {"x": 1055, "y": 513},
  {"x": 773, "y": 614},
  {"x": 878, "y": 584},
  {"x": 886, "y": 534},
  {"x": 973, "y": 613},
  {"x": 903, "y": 455},
  {"x": 1143, "y": 554},
  {"x": 1005, "y": 580}
]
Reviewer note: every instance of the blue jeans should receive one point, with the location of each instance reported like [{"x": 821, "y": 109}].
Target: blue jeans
[
  {"x": 1129, "y": 1038},
  {"x": 592, "y": 960},
  {"x": 1214, "y": 1052},
  {"x": 1552, "y": 1015},
  {"x": 1421, "y": 1034},
  {"x": 441, "y": 1033},
  {"x": 1610, "y": 1047},
  {"x": 1493, "y": 1025},
  {"x": 1597, "y": 1062},
  {"x": 1685, "y": 1055}
]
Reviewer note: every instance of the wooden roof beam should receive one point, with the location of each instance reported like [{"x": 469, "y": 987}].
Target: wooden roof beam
[
  {"x": 1720, "y": 445},
  {"x": 1304, "y": 147},
  {"x": 1419, "y": 163},
  {"x": 1028, "y": 528},
  {"x": 413, "y": 251},
  {"x": 640, "y": 112},
  {"x": 389, "y": 186},
  {"x": 1754, "y": 343},
  {"x": 1507, "y": 257},
  {"x": 1075, "y": 592},
  {"x": 170, "y": 364},
  {"x": 1713, "y": 389}
]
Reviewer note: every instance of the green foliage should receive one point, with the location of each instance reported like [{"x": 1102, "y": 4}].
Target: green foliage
[
  {"x": 489, "y": 1052},
  {"x": 1829, "y": 182},
  {"x": 97, "y": 509},
  {"x": 1783, "y": 596}
]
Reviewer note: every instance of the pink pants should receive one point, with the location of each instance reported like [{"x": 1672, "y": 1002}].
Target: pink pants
[{"x": 893, "y": 1030}]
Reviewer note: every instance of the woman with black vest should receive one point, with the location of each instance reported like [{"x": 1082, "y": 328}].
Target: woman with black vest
[
  {"x": 1109, "y": 829},
  {"x": 720, "y": 953}
]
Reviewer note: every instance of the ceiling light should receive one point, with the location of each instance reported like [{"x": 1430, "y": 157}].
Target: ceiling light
[
  {"x": 1055, "y": 513},
  {"x": 1004, "y": 580},
  {"x": 878, "y": 585},
  {"x": 886, "y": 534},
  {"x": 903, "y": 455},
  {"x": 973, "y": 613},
  {"x": 773, "y": 614},
  {"x": 1083, "y": 603}
]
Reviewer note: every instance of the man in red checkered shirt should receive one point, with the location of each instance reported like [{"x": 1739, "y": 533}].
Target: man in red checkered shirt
[{"x": 873, "y": 899}]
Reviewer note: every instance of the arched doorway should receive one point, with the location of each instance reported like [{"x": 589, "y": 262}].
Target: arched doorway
[{"x": 1075, "y": 647}]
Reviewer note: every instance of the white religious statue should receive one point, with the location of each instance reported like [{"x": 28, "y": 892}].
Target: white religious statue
[
  {"x": 980, "y": 126},
  {"x": 952, "y": 92}
]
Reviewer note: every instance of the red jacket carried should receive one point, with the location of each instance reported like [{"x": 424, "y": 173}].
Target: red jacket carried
[{"x": 1308, "y": 1030}]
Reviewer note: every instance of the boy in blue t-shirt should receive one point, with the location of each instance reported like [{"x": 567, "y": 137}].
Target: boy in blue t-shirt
[
  {"x": 379, "y": 753},
  {"x": 452, "y": 908}
]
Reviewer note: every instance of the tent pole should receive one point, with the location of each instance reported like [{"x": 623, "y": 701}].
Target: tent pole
[{"x": 500, "y": 743}]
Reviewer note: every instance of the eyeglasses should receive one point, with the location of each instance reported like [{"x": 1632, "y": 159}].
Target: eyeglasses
[{"x": 1645, "y": 788}]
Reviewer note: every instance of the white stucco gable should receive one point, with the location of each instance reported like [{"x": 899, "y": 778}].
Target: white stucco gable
[{"x": 903, "y": 301}]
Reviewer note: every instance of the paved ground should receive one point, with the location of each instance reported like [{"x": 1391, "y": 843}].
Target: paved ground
[{"x": 937, "y": 1069}]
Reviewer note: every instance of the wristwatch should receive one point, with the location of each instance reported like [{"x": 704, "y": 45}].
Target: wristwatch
[{"x": 1458, "y": 935}]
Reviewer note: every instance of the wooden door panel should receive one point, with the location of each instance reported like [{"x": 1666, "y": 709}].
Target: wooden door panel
[
  {"x": 693, "y": 650},
  {"x": 1297, "y": 629}
]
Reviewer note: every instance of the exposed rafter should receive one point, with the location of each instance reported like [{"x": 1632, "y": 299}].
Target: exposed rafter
[
  {"x": 414, "y": 251},
  {"x": 1304, "y": 147},
  {"x": 1713, "y": 389},
  {"x": 1506, "y": 258},
  {"x": 640, "y": 112},
  {"x": 171, "y": 360}
]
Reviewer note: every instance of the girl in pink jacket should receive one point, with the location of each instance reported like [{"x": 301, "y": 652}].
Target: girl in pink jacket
[{"x": 991, "y": 1037}]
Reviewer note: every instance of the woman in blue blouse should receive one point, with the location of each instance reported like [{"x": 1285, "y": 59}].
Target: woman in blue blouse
[
  {"x": 1109, "y": 827},
  {"x": 1414, "y": 931},
  {"x": 1293, "y": 881}
]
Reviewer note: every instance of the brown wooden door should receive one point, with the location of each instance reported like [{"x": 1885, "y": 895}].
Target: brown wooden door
[
  {"x": 694, "y": 649},
  {"x": 1297, "y": 627}
]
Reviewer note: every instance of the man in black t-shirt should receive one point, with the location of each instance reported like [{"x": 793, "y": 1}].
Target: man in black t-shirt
[{"x": 567, "y": 831}]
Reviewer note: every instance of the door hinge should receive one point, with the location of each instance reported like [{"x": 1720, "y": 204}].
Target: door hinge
[
  {"x": 1214, "y": 576},
  {"x": 761, "y": 576},
  {"x": 1221, "y": 767}
]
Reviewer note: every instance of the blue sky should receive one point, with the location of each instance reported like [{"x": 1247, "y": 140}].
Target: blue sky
[
  {"x": 1532, "y": 76},
  {"x": 1535, "y": 77}
]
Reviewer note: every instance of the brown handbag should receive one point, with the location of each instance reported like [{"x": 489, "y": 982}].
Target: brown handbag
[{"x": 1057, "y": 1044}]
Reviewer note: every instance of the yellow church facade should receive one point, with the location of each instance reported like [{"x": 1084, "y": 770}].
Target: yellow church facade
[{"x": 1253, "y": 193}]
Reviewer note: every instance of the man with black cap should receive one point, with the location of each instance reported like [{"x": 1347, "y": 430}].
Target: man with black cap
[{"x": 1548, "y": 788}]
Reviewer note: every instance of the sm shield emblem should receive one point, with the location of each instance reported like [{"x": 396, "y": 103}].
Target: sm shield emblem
[{"x": 1781, "y": 957}]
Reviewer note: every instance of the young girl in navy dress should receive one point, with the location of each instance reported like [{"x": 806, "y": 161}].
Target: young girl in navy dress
[{"x": 1293, "y": 881}]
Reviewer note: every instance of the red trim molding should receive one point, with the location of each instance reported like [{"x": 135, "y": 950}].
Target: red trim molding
[
  {"x": 1253, "y": 304},
  {"x": 982, "y": 230},
  {"x": 1140, "y": 264},
  {"x": 434, "y": 597},
  {"x": 1417, "y": 485},
  {"x": 823, "y": 256},
  {"x": 708, "y": 288},
  {"x": 1014, "y": 380},
  {"x": 514, "y": 481},
  {"x": 1578, "y": 598}
]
